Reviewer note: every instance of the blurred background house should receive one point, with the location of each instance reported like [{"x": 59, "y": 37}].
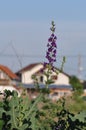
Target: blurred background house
[
  {"x": 59, "y": 88},
  {"x": 8, "y": 79},
  {"x": 37, "y": 69},
  {"x": 24, "y": 78}
]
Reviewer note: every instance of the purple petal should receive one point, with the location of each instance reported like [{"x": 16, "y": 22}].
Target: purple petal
[
  {"x": 52, "y": 35},
  {"x": 50, "y": 39},
  {"x": 55, "y": 37},
  {"x": 53, "y": 44},
  {"x": 50, "y": 49},
  {"x": 54, "y": 51}
]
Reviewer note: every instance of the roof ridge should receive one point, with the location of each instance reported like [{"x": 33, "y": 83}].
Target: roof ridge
[{"x": 8, "y": 71}]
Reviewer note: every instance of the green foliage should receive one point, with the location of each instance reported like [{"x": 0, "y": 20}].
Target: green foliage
[
  {"x": 81, "y": 116},
  {"x": 1, "y": 124},
  {"x": 63, "y": 62},
  {"x": 75, "y": 103},
  {"x": 1, "y": 111},
  {"x": 47, "y": 114},
  {"x": 35, "y": 79},
  {"x": 17, "y": 112},
  {"x": 70, "y": 121},
  {"x": 78, "y": 87}
]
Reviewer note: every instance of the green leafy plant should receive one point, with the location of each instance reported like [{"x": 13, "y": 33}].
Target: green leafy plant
[
  {"x": 77, "y": 85},
  {"x": 18, "y": 112},
  {"x": 70, "y": 121}
]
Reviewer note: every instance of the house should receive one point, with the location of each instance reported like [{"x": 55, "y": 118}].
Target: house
[
  {"x": 59, "y": 88},
  {"x": 36, "y": 69},
  {"x": 26, "y": 73},
  {"x": 7, "y": 79}
]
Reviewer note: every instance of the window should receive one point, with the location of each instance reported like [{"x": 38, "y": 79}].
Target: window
[
  {"x": 41, "y": 79},
  {"x": 54, "y": 77}
]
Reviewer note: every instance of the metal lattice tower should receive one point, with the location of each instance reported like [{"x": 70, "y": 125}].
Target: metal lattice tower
[{"x": 80, "y": 68}]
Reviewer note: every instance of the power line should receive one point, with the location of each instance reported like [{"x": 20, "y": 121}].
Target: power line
[
  {"x": 35, "y": 55},
  {"x": 16, "y": 54}
]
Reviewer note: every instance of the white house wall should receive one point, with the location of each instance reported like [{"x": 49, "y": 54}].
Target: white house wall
[
  {"x": 62, "y": 79},
  {"x": 27, "y": 76}
]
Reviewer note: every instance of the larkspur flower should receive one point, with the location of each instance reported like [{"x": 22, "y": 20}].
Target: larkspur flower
[
  {"x": 51, "y": 46},
  {"x": 50, "y": 56}
]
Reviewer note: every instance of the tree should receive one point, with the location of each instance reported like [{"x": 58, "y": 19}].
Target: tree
[{"x": 77, "y": 85}]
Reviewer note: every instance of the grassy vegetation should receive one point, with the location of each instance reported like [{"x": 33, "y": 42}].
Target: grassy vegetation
[
  {"x": 44, "y": 113},
  {"x": 75, "y": 105}
]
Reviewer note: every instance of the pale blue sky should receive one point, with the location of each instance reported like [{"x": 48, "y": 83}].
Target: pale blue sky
[{"x": 24, "y": 30}]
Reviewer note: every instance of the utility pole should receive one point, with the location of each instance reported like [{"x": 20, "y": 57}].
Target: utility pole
[{"x": 80, "y": 68}]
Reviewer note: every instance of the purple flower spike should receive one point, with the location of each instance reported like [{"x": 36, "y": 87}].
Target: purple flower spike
[{"x": 51, "y": 47}]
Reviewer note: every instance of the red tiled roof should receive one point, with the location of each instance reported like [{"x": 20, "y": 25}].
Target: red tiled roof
[{"x": 8, "y": 72}]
